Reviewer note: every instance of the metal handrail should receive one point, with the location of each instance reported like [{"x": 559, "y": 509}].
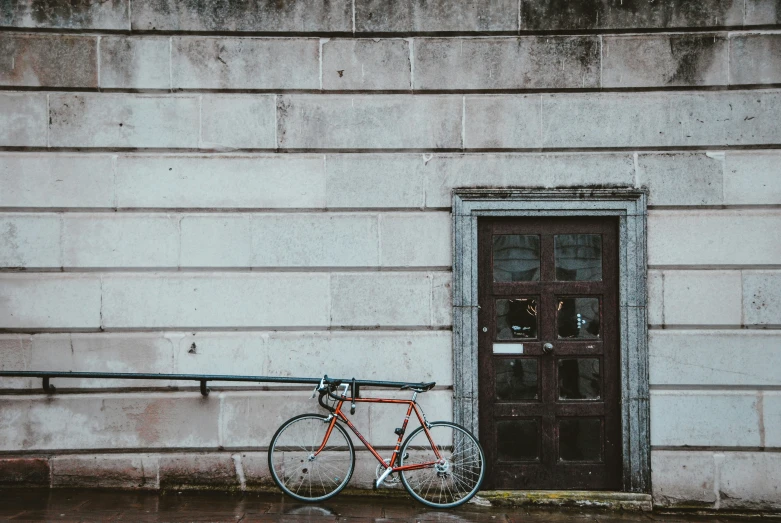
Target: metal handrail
[{"x": 202, "y": 378}]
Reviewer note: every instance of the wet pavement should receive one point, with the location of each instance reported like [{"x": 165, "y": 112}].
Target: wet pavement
[{"x": 96, "y": 505}]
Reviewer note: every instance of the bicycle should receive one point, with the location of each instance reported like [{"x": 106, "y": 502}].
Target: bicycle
[{"x": 311, "y": 457}]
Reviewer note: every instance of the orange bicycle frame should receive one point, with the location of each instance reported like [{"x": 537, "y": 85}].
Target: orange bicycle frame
[{"x": 412, "y": 405}]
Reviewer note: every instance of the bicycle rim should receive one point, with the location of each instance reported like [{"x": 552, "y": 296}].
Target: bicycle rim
[
  {"x": 453, "y": 481},
  {"x": 297, "y": 471}
]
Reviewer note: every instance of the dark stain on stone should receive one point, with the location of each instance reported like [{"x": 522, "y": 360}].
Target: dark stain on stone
[
  {"x": 61, "y": 12},
  {"x": 28, "y": 61},
  {"x": 62, "y": 113},
  {"x": 121, "y": 59},
  {"x": 602, "y": 14},
  {"x": 578, "y": 56},
  {"x": 238, "y": 15},
  {"x": 435, "y": 15},
  {"x": 694, "y": 54}
]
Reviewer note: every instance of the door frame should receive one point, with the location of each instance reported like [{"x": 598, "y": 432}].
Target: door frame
[{"x": 629, "y": 206}]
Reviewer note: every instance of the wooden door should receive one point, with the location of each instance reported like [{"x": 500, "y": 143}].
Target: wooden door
[{"x": 549, "y": 374}]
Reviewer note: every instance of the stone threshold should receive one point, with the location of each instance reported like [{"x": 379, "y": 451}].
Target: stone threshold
[{"x": 630, "y": 501}]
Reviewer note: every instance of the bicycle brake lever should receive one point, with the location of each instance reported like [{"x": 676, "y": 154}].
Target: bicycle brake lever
[
  {"x": 318, "y": 388},
  {"x": 352, "y": 403}
]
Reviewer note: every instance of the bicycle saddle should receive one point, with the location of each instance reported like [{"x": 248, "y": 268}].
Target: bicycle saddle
[{"x": 419, "y": 387}]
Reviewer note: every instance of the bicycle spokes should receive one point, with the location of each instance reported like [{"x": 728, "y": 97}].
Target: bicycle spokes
[
  {"x": 299, "y": 469},
  {"x": 451, "y": 480}
]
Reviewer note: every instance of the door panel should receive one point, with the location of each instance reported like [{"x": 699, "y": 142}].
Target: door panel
[{"x": 549, "y": 378}]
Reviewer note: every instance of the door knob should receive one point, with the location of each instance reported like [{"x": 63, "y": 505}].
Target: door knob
[{"x": 547, "y": 348}]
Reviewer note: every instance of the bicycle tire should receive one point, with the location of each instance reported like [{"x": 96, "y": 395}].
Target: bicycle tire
[
  {"x": 300, "y": 474},
  {"x": 451, "y": 483}
]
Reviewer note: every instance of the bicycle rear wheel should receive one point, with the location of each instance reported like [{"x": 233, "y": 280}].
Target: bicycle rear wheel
[
  {"x": 295, "y": 468},
  {"x": 454, "y": 479}
]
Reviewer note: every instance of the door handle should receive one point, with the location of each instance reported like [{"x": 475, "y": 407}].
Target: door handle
[{"x": 547, "y": 348}]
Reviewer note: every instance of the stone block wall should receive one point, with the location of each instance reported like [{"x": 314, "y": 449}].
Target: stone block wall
[{"x": 265, "y": 188}]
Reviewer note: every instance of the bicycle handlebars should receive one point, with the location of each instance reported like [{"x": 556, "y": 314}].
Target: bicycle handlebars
[{"x": 328, "y": 385}]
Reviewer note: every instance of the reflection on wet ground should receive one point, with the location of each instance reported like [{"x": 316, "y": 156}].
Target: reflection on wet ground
[{"x": 96, "y": 505}]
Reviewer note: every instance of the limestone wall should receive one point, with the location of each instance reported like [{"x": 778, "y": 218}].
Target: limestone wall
[{"x": 264, "y": 188}]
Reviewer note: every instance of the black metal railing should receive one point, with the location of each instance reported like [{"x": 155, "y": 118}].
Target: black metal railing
[{"x": 203, "y": 379}]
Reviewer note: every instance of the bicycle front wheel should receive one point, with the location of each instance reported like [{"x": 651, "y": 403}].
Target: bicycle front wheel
[
  {"x": 295, "y": 468},
  {"x": 451, "y": 480}
]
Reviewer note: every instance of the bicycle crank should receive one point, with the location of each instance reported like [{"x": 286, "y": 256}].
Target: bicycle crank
[{"x": 390, "y": 479}]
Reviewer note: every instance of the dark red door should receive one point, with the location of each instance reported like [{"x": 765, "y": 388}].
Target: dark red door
[{"x": 549, "y": 372}]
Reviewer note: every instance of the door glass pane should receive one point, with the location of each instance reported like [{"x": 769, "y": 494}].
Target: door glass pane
[
  {"x": 578, "y": 257},
  {"x": 580, "y": 439},
  {"x": 579, "y": 379},
  {"x": 516, "y": 257},
  {"x": 578, "y": 318},
  {"x": 516, "y": 379},
  {"x": 516, "y": 319},
  {"x": 517, "y": 440}
]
